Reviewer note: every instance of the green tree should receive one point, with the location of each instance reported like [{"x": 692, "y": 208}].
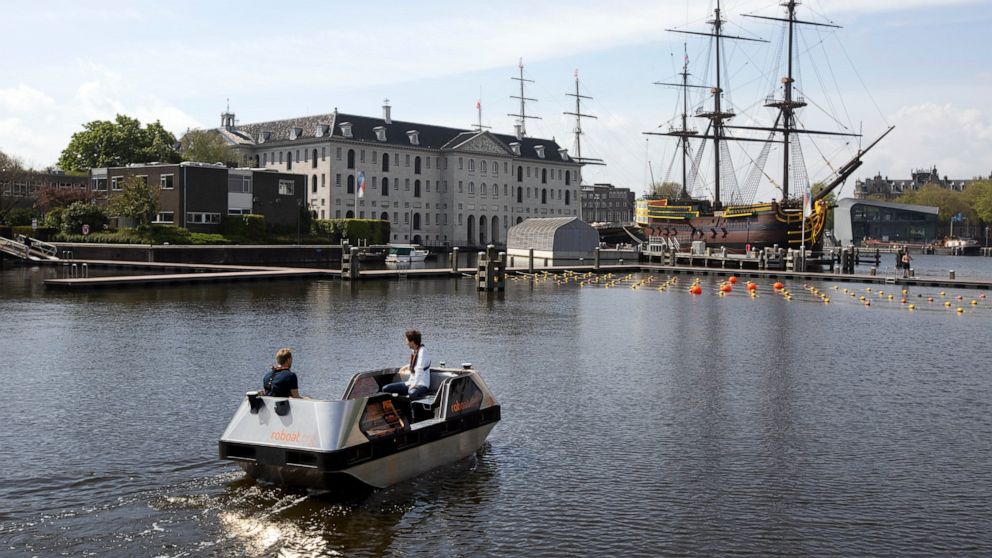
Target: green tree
[
  {"x": 206, "y": 146},
  {"x": 102, "y": 143},
  {"x": 79, "y": 214},
  {"x": 12, "y": 171},
  {"x": 948, "y": 202},
  {"x": 137, "y": 201},
  {"x": 671, "y": 190},
  {"x": 979, "y": 196}
]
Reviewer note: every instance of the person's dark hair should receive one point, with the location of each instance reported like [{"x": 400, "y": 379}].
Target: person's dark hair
[{"x": 413, "y": 335}]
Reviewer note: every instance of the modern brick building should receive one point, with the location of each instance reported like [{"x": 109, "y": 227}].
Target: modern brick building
[
  {"x": 197, "y": 196},
  {"x": 605, "y": 203}
]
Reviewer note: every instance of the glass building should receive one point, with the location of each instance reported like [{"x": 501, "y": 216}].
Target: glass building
[{"x": 858, "y": 220}]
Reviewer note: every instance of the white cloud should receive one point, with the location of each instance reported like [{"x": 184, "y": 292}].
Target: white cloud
[{"x": 23, "y": 98}]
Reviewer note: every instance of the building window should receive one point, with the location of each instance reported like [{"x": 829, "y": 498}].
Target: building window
[
  {"x": 287, "y": 188},
  {"x": 116, "y": 183},
  {"x": 313, "y": 184},
  {"x": 337, "y": 180},
  {"x": 313, "y": 162},
  {"x": 544, "y": 195},
  {"x": 407, "y": 159},
  {"x": 351, "y": 184},
  {"x": 265, "y": 159},
  {"x": 165, "y": 217},
  {"x": 280, "y": 157},
  {"x": 471, "y": 165},
  {"x": 460, "y": 187},
  {"x": 385, "y": 162},
  {"x": 351, "y": 158},
  {"x": 337, "y": 213},
  {"x": 568, "y": 196},
  {"x": 427, "y": 160},
  {"x": 495, "y": 190},
  {"x": 568, "y": 178},
  {"x": 338, "y": 154},
  {"x": 416, "y": 188},
  {"x": 361, "y": 156},
  {"x": 520, "y": 174},
  {"x": 471, "y": 187},
  {"x": 460, "y": 164},
  {"x": 416, "y": 221},
  {"x": 544, "y": 176},
  {"x": 416, "y": 165},
  {"x": 200, "y": 218},
  {"x": 385, "y": 183},
  {"x": 484, "y": 166},
  {"x": 166, "y": 181},
  {"x": 520, "y": 194},
  {"x": 375, "y": 156},
  {"x": 406, "y": 184},
  {"x": 323, "y": 153}
]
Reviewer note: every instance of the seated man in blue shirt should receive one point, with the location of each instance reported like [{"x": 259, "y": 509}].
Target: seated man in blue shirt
[{"x": 281, "y": 381}]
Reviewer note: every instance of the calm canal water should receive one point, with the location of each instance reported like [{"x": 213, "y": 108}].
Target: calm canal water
[{"x": 636, "y": 422}]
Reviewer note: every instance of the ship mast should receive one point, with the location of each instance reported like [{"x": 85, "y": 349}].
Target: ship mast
[
  {"x": 718, "y": 115},
  {"x": 578, "y": 125},
  {"x": 522, "y": 117}
]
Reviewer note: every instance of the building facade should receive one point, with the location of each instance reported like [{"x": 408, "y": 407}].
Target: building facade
[
  {"x": 885, "y": 188},
  {"x": 21, "y": 188},
  {"x": 436, "y": 186},
  {"x": 605, "y": 203},
  {"x": 856, "y": 221},
  {"x": 197, "y": 196}
]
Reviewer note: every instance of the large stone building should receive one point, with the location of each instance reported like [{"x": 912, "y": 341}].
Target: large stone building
[
  {"x": 885, "y": 188},
  {"x": 436, "y": 186},
  {"x": 605, "y": 203}
]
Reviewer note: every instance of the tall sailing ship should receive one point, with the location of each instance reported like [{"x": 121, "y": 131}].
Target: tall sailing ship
[{"x": 735, "y": 221}]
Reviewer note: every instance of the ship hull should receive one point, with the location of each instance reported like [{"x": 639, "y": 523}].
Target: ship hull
[{"x": 740, "y": 228}]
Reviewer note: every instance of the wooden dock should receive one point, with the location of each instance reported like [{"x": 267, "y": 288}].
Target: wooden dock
[{"x": 176, "y": 273}]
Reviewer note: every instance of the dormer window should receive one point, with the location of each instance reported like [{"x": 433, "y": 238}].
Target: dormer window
[
  {"x": 515, "y": 146},
  {"x": 264, "y": 136},
  {"x": 563, "y": 153},
  {"x": 346, "y": 129},
  {"x": 320, "y": 130},
  {"x": 540, "y": 151},
  {"x": 295, "y": 133},
  {"x": 380, "y": 133},
  {"x": 414, "y": 136}
]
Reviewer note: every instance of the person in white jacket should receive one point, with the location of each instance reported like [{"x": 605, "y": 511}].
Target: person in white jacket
[{"x": 419, "y": 368}]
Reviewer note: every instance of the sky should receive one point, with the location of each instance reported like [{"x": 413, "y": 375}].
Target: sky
[{"x": 920, "y": 65}]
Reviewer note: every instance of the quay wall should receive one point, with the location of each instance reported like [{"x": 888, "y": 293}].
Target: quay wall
[{"x": 272, "y": 255}]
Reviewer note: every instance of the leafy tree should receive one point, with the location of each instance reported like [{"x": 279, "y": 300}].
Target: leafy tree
[
  {"x": 102, "y": 143},
  {"x": 137, "y": 201},
  {"x": 948, "y": 201},
  {"x": 50, "y": 197},
  {"x": 671, "y": 190},
  {"x": 79, "y": 214},
  {"x": 206, "y": 146},
  {"x": 979, "y": 196}
]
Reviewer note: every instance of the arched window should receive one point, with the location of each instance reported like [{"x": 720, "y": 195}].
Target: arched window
[
  {"x": 416, "y": 221},
  {"x": 257, "y": 161},
  {"x": 568, "y": 196},
  {"x": 495, "y": 228},
  {"x": 471, "y": 187},
  {"x": 416, "y": 186},
  {"x": 470, "y": 229},
  {"x": 385, "y": 184},
  {"x": 313, "y": 160},
  {"x": 351, "y": 184},
  {"x": 520, "y": 220},
  {"x": 384, "y": 216},
  {"x": 495, "y": 190},
  {"x": 416, "y": 165},
  {"x": 495, "y": 168},
  {"x": 482, "y": 230},
  {"x": 520, "y": 194},
  {"x": 485, "y": 166},
  {"x": 568, "y": 178},
  {"x": 544, "y": 176},
  {"x": 416, "y": 239},
  {"x": 471, "y": 165},
  {"x": 313, "y": 183},
  {"x": 385, "y": 162},
  {"x": 544, "y": 195},
  {"x": 520, "y": 174},
  {"x": 351, "y": 158},
  {"x": 289, "y": 160},
  {"x": 349, "y": 215}
]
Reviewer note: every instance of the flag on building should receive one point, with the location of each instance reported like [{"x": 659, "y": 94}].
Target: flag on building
[{"x": 361, "y": 184}]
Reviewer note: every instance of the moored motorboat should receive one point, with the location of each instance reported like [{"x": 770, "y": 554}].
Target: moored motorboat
[
  {"x": 406, "y": 253},
  {"x": 374, "y": 438}
]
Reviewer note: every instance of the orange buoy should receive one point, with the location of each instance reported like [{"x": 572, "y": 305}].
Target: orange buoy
[
  {"x": 733, "y": 280},
  {"x": 778, "y": 285},
  {"x": 725, "y": 288},
  {"x": 751, "y": 287},
  {"x": 696, "y": 289}
]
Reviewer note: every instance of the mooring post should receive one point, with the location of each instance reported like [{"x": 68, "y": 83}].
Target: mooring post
[
  {"x": 530, "y": 260},
  {"x": 345, "y": 261},
  {"x": 501, "y": 271},
  {"x": 454, "y": 260},
  {"x": 950, "y": 274},
  {"x": 353, "y": 271},
  {"x": 595, "y": 264}
]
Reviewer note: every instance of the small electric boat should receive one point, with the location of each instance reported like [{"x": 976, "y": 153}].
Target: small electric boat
[{"x": 375, "y": 438}]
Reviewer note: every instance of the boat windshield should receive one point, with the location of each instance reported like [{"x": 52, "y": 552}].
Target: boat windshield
[{"x": 399, "y": 251}]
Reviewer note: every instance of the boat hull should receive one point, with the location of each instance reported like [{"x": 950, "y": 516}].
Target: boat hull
[{"x": 740, "y": 229}]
